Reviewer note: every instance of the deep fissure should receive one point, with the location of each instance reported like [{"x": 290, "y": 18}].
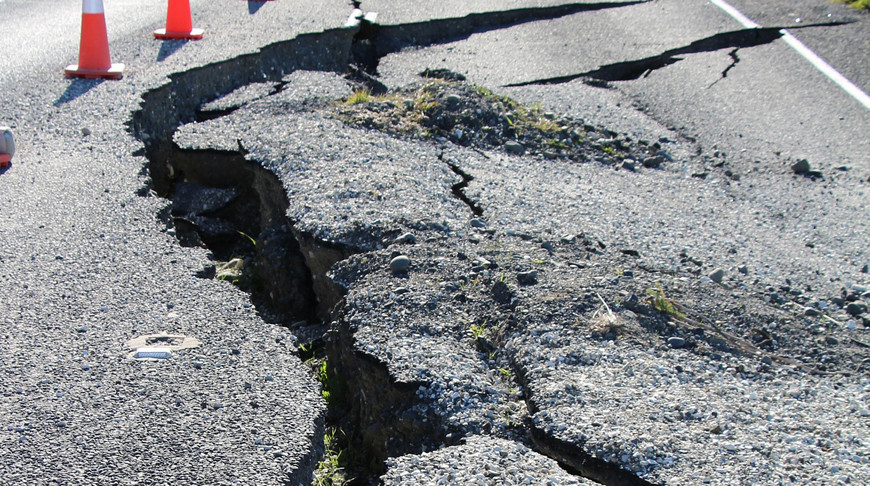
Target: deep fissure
[
  {"x": 237, "y": 209},
  {"x": 640, "y": 68}
]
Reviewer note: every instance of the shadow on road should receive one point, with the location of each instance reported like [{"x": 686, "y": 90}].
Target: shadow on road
[
  {"x": 76, "y": 88},
  {"x": 254, "y": 6},
  {"x": 168, "y": 48}
]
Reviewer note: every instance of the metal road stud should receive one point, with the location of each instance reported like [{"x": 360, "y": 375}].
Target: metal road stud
[
  {"x": 94, "y": 61},
  {"x": 178, "y": 22},
  {"x": 7, "y": 146}
]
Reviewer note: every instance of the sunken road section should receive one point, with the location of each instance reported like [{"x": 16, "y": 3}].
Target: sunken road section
[{"x": 472, "y": 351}]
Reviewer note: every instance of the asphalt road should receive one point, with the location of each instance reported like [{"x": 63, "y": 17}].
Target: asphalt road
[{"x": 86, "y": 263}]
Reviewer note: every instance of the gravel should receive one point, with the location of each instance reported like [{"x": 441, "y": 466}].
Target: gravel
[
  {"x": 548, "y": 328},
  {"x": 480, "y": 460}
]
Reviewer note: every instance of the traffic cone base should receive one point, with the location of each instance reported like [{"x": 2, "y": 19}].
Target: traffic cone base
[
  {"x": 194, "y": 34},
  {"x": 4, "y": 160},
  {"x": 115, "y": 71}
]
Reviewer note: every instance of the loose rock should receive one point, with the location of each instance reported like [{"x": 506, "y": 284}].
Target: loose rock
[
  {"x": 400, "y": 264},
  {"x": 514, "y": 148},
  {"x": 528, "y": 278},
  {"x": 676, "y": 342},
  {"x": 801, "y": 166},
  {"x": 717, "y": 275}
]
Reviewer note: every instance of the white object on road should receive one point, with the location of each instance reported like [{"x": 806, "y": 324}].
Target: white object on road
[
  {"x": 7, "y": 143},
  {"x": 814, "y": 59}
]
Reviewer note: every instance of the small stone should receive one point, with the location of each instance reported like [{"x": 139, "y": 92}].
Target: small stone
[
  {"x": 653, "y": 162},
  {"x": 856, "y": 308},
  {"x": 514, "y": 148},
  {"x": 811, "y": 312},
  {"x": 717, "y": 275},
  {"x": 409, "y": 103},
  {"x": 832, "y": 341},
  {"x": 743, "y": 269},
  {"x": 802, "y": 166},
  {"x": 767, "y": 360},
  {"x": 407, "y": 238},
  {"x": 453, "y": 99},
  {"x": 528, "y": 278},
  {"x": 629, "y": 164},
  {"x": 676, "y": 342},
  {"x": 82, "y": 329},
  {"x": 400, "y": 264},
  {"x": 478, "y": 223},
  {"x": 86, "y": 131}
]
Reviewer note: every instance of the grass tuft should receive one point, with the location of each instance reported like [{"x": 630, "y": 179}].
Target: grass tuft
[
  {"x": 858, "y": 4},
  {"x": 662, "y": 303},
  {"x": 359, "y": 96}
]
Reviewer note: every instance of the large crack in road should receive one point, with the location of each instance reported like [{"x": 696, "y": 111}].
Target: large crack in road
[{"x": 230, "y": 204}]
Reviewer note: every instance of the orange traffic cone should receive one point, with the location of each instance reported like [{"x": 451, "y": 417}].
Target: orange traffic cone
[
  {"x": 94, "y": 59},
  {"x": 178, "y": 23}
]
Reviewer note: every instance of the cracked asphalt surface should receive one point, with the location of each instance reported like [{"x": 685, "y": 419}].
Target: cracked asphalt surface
[{"x": 90, "y": 260}]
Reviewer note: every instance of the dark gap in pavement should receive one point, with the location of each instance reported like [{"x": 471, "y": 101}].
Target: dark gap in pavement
[
  {"x": 636, "y": 69},
  {"x": 734, "y": 60},
  {"x": 459, "y": 189},
  {"x": 232, "y": 205},
  {"x": 393, "y": 38}
]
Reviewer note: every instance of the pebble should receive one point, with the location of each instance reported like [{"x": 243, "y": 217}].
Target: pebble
[
  {"x": 676, "y": 342},
  {"x": 514, "y": 148},
  {"x": 717, "y": 275},
  {"x": 400, "y": 264},
  {"x": 801, "y": 166},
  {"x": 407, "y": 238},
  {"x": 478, "y": 223},
  {"x": 453, "y": 99},
  {"x": 653, "y": 162},
  {"x": 743, "y": 269},
  {"x": 527, "y": 278},
  {"x": 629, "y": 164},
  {"x": 856, "y": 308},
  {"x": 811, "y": 312}
]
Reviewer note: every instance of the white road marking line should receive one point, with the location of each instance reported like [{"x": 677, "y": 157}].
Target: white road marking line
[{"x": 814, "y": 59}]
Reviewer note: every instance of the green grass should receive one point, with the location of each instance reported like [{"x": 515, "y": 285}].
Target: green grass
[
  {"x": 358, "y": 97},
  {"x": 662, "y": 303},
  {"x": 859, "y": 4},
  {"x": 478, "y": 331},
  {"x": 330, "y": 471}
]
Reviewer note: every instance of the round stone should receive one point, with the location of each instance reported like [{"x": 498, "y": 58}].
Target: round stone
[{"x": 400, "y": 264}]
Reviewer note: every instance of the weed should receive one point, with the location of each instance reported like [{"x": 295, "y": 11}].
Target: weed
[
  {"x": 859, "y": 4},
  {"x": 330, "y": 471},
  {"x": 505, "y": 373},
  {"x": 545, "y": 125},
  {"x": 609, "y": 151},
  {"x": 230, "y": 271},
  {"x": 557, "y": 144},
  {"x": 478, "y": 331},
  {"x": 662, "y": 303},
  {"x": 359, "y": 96},
  {"x": 251, "y": 239}
]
